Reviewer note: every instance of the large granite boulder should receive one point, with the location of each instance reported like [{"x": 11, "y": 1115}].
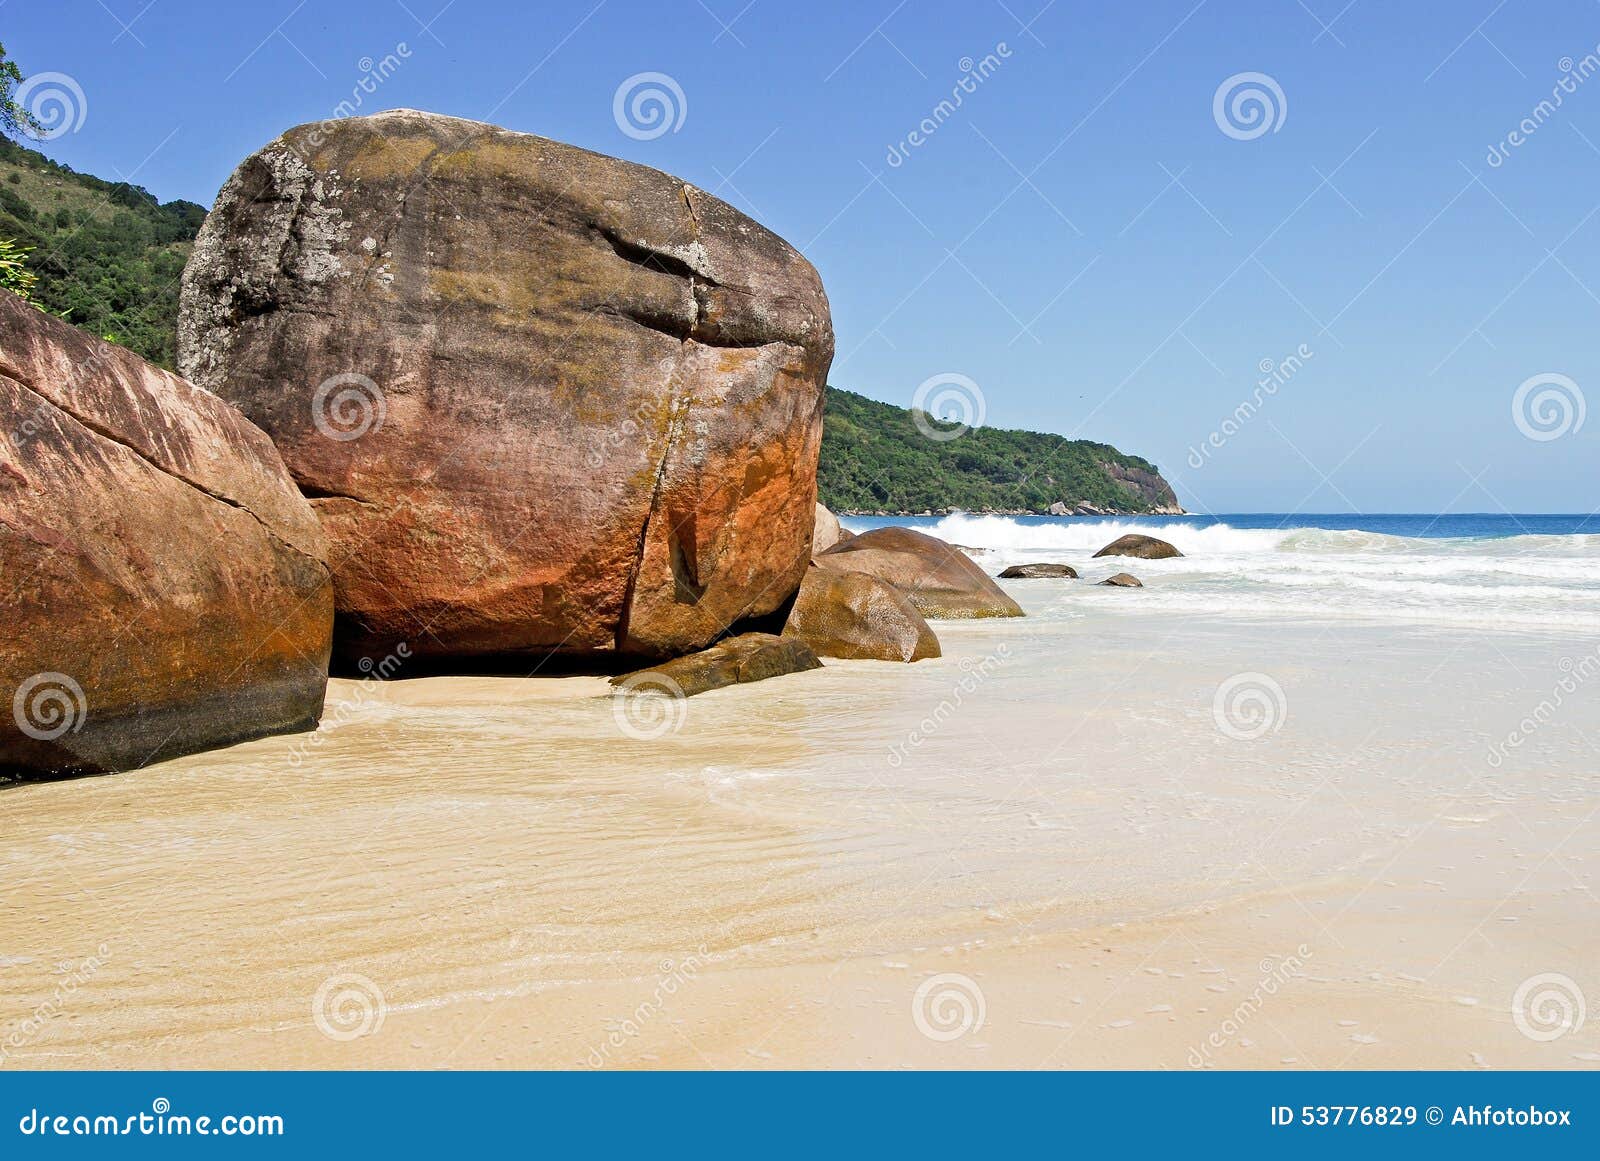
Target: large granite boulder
[
  {"x": 734, "y": 661},
  {"x": 938, "y": 578},
  {"x": 856, "y": 615},
  {"x": 163, "y": 585},
  {"x": 1142, "y": 547},
  {"x": 543, "y": 400}
]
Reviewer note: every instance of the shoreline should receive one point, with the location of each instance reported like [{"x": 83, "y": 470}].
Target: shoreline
[{"x": 486, "y": 872}]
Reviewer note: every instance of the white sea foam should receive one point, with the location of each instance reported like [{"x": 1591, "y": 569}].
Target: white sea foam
[{"x": 1525, "y": 581}]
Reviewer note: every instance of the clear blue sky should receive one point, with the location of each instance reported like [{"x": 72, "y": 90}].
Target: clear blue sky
[{"x": 1080, "y": 238}]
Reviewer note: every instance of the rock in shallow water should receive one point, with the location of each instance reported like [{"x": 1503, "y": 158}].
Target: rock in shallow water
[
  {"x": 1039, "y": 571},
  {"x": 938, "y": 578},
  {"x": 1123, "y": 581},
  {"x": 736, "y": 661},
  {"x": 163, "y": 585},
  {"x": 543, "y": 400},
  {"x": 857, "y": 616},
  {"x": 1142, "y": 547}
]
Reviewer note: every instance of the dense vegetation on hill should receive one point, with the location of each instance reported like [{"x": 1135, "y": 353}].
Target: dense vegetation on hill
[
  {"x": 108, "y": 257},
  {"x": 875, "y": 459},
  {"x": 105, "y": 255}
]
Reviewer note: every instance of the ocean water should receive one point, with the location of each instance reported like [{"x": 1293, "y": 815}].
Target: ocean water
[{"x": 1492, "y": 572}]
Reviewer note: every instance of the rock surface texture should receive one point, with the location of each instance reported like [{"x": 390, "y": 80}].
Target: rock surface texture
[
  {"x": 735, "y": 661},
  {"x": 858, "y": 616},
  {"x": 1123, "y": 581},
  {"x": 1142, "y": 547},
  {"x": 1038, "y": 571},
  {"x": 163, "y": 585},
  {"x": 938, "y": 578},
  {"x": 543, "y": 400},
  {"x": 826, "y": 532}
]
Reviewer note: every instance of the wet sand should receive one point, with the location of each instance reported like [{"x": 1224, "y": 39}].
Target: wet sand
[{"x": 1046, "y": 832}]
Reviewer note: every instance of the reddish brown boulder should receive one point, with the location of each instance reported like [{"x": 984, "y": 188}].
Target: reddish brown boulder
[
  {"x": 162, "y": 583},
  {"x": 543, "y": 400},
  {"x": 938, "y": 578},
  {"x": 856, "y": 615},
  {"x": 1142, "y": 547},
  {"x": 1123, "y": 580}
]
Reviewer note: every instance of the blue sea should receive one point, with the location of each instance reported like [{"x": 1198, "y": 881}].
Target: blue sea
[{"x": 1495, "y": 571}]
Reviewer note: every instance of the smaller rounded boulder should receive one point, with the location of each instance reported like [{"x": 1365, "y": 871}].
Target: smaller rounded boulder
[{"x": 1142, "y": 547}]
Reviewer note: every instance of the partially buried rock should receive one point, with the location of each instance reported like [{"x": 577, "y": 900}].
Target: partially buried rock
[
  {"x": 826, "y": 531},
  {"x": 1039, "y": 571},
  {"x": 857, "y": 616},
  {"x": 1143, "y": 547},
  {"x": 939, "y": 579},
  {"x": 1123, "y": 581},
  {"x": 736, "y": 661},
  {"x": 163, "y": 586},
  {"x": 543, "y": 400}
]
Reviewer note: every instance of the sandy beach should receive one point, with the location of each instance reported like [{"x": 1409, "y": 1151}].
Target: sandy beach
[{"x": 1044, "y": 849}]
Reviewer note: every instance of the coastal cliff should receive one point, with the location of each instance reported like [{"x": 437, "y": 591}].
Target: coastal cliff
[{"x": 876, "y": 460}]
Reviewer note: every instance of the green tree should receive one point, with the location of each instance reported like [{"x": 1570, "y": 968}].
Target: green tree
[
  {"x": 14, "y": 273},
  {"x": 15, "y": 120}
]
